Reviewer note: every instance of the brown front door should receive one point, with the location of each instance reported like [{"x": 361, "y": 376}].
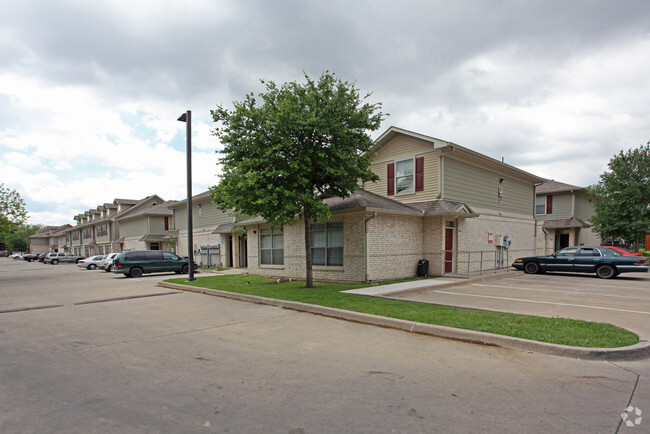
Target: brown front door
[
  {"x": 562, "y": 241},
  {"x": 449, "y": 250}
]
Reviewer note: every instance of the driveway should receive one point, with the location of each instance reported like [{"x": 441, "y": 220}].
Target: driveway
[
  {"x": 623, "y": 301},
  {"x": 90, "y": 352}
]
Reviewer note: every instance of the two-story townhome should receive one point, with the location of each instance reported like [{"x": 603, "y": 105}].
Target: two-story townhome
[
  {"x": 97, "y": 230},
  {"x": 214, "y": 242},
  {"x": 49, "y": 239},
  {"x": 563, "y": 212},
  {"x": 436, "y": 201},
  {"x": 146, "y": 227}
]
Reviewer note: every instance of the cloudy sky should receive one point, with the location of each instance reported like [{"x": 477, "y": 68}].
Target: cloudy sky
[{"x": 90, "y": 90}]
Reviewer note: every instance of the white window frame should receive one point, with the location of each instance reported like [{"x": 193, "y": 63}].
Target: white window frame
[
  {"x": 274, "y": 233},
  {"x": 541, "y": 199},
  {"x": 411, "y": 188}
]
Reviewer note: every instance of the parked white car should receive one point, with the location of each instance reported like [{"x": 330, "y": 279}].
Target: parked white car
[
  {"x": 16, "y": 256},
  {"x": 91, "y": 262},
  {"x": 107, "y": 262}
]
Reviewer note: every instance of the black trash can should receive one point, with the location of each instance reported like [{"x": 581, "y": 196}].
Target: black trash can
[{"x": 423, "y": 268}]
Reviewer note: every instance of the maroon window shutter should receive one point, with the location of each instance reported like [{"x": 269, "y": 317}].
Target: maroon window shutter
[
  {"x": 391, "y": 179},
  {"x": 419, "y": 174},
  {"x": 549, "y": 204},
  {"x": 166, "y": 223}
]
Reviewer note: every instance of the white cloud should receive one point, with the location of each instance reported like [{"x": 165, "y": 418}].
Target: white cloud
[{"x": 90, "y": 92}]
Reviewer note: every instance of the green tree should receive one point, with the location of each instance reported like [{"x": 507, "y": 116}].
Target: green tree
[
  {"x": 622, "y": 196},
  {"x": 12, "y": 211},
  {"x": 302, "y": 142},
  {"x": 19, "y": 239}
]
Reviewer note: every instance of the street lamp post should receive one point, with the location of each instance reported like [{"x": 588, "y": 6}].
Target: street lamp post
[{"x": 187, "y": 118}]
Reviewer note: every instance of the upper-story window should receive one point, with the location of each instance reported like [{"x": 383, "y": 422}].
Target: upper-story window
[
  {"x": 406, "y": 176},
  {"x": 544, "y": 205}
]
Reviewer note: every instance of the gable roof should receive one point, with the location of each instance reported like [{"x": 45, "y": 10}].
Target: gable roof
[
  {"x": 160, "y": 209},
  {"x": 445, "y": 207},
  {"x": 454, "y": 150},
  {"x": 199, "y": 197},
  {"x": 552, "y": 186},
  {"x": 564, "y": 223},
  {"x": 48, "y": 231},
  {"x": 362, "y": 200}
]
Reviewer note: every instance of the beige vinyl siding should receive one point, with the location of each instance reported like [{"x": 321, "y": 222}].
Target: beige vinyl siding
[
  {"x": 157, "y": 224},
  {"x": 38, "y": 242},
  {"x": 401, "y": 147},
  {"x": 561, "y": 206},
  {"x": 208, "y": 216},
  {"x": 205, "y": 217},
  {"x": 478, "y": 188},
  {"x": 133, "y": 228},
  {"x": 180, "y": 218},
  {"x": 584, "y": 208},
  {"x": 431, "y": 160}
]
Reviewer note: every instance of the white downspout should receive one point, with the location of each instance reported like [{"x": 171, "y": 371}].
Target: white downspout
[{"x": 441, "y": 170}]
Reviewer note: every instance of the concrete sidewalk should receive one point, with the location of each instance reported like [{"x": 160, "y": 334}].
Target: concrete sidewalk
[{"x": 382, "y": 290}]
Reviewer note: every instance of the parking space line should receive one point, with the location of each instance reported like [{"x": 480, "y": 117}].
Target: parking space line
[
  {"x": 596, "y": 283},
  {"x": 542, "y": 302},
  {"x": 563, "y": 292},
  {"x": 128, "y": 297}
]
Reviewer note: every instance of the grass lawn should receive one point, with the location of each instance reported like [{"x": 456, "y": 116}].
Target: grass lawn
[{"x": 552, "y": 330}]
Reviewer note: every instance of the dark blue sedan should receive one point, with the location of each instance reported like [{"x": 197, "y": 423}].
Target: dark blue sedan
[{"x": 603, "y": 261}]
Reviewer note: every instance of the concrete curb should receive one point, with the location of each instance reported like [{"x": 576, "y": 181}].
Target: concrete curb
[{"x": 634, "y": 352}]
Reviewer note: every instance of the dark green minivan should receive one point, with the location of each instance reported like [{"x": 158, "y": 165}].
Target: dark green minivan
[{"x": 137, "y": 262}]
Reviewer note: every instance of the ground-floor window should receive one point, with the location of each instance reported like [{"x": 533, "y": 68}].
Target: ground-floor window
[
  {"x": 327, "y": 244},
  {"x": 272, "y": 246}
]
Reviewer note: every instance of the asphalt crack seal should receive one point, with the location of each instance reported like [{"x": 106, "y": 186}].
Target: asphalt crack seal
[
  {"x": 25, "y": 309},
  {"x": 130, "y": 297}
]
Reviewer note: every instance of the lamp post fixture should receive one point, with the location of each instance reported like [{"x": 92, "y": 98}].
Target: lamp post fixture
[{"x": 187, "y": 118}]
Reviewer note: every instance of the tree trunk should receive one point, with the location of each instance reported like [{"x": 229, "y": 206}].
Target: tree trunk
[{"x": 309, "y": 279}]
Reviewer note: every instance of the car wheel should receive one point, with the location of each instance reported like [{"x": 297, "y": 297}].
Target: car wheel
[
  {"x": 605, "y": 272},
  {"x": 109, "y": 268},
  {"x": 92, "y": 266},
  {"x": 185, "y": 269},
  {"x": 135, "y": 272},
  {"x": 54, "y": 261},
  {"x": 531, "y": 268}
]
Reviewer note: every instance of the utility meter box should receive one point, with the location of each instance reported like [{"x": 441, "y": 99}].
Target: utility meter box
[{"x": 498, "y": 240}]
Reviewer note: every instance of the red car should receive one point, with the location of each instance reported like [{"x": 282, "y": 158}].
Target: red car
[{"x": 623, "y": 251}]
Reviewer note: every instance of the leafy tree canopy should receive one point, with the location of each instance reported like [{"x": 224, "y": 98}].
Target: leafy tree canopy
[
  {"x": 301, "y": 141},
  {"x": 622, "y": 196},
  {"x": 19, "y": 239},
  {"x": 12, "y": 210}
]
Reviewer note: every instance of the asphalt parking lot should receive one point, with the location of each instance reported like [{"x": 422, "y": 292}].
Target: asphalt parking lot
[
  {"x": 623, "y": 301},
  {"x": 92, "y": 352}
]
